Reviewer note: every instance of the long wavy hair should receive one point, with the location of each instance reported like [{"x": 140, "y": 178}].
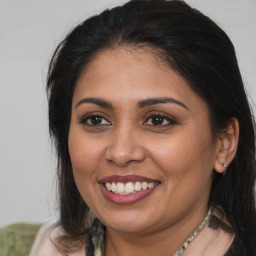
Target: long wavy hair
[{"x": 200, "y": 51}]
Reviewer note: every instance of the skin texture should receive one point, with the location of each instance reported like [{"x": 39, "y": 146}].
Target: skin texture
[{"x": 180, "y": 153}]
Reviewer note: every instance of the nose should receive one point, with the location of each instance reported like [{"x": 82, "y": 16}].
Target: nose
[{"x": 125, "y": 147}]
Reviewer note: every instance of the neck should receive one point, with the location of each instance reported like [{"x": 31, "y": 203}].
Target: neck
[{"x": 163, "y": 241}]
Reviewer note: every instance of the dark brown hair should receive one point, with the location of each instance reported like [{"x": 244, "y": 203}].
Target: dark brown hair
[{"x": 200, "y": 52}]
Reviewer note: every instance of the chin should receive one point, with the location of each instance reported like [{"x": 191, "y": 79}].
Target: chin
[
  {"x": 128, "y": 226},
  {"x": 128, "y": 222}
]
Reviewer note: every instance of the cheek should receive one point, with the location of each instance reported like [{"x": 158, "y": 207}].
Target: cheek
[
  {"x": 186, "y": 169},
  {"x": 85, "y": 160},
  {"x": 84, "y": 153},
  {"x": 187, "y": 154}
]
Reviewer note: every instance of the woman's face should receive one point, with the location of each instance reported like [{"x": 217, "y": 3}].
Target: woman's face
[{"x": 140, "y": 143}]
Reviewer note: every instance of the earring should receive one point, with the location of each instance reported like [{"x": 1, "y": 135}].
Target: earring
[{"x": 225, "y": 167}]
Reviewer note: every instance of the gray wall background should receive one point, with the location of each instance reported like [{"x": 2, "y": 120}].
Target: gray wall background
[{"x": 29, "y": 32}]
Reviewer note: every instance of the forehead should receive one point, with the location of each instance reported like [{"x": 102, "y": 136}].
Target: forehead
[
  {"x": 120, "y": 62},
  {"x": 128, "y": 74}
]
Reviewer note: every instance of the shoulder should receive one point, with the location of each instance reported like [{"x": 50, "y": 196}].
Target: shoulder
[{"x": 45, "y": 242}]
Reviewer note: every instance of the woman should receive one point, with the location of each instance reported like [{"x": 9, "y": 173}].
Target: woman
[{"x": 154, "y": 136}]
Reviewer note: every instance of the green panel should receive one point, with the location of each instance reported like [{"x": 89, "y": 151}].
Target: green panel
[{"x": 17, "y": 239}]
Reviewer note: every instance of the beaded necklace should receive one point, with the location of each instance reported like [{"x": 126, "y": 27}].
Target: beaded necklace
[{"x": 185, "y": 245}]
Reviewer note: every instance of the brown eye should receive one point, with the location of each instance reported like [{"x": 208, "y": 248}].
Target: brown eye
[
  {"x": 160, "y": 120},
  {"x": 94, "y": 120},
  {"x": 157, "y": 120}
]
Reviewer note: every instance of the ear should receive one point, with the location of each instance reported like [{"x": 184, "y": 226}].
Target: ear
[{"x": 226, "y": 146}]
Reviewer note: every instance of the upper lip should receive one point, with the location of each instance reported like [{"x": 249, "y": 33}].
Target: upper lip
[{"x": 126, "y": 179}]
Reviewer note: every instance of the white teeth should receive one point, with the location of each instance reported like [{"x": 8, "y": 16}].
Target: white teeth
[
  {"x": 108, "y": 186},
  {"x": 129, "y": 188},
  {"x": 120, "y": 188},
  {"x": 150, "y": 185},
  {"x": 144, "y": 185},
  {"x": 113, "y": 187},
  {"x": 137, "y": 186}
]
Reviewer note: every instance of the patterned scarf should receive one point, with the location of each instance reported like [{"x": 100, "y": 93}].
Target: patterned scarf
[{"x": 96, "y": 240}]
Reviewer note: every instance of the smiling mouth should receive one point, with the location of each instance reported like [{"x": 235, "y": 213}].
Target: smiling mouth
[
  {"x": 128, "y": 188},
  {"x": 129, "y": 184}
]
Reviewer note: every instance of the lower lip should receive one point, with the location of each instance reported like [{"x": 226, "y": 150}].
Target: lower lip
[{"x": 126, "y": 199}]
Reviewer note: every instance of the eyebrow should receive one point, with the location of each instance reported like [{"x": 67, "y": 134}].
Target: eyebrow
[
  {"x": 96, "y": 101},
  {"x": 154, "y": 101},
  {"x": 141, "y": 104}
]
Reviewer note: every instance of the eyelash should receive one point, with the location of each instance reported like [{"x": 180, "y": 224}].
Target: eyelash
[
  {"x": 84, "y": 120},
  {"x": 167, "y": 121}
]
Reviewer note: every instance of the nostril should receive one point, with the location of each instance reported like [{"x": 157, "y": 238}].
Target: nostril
[
  {"x": 123, "y": 152},
  {"x": 119, "y": 162}
]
